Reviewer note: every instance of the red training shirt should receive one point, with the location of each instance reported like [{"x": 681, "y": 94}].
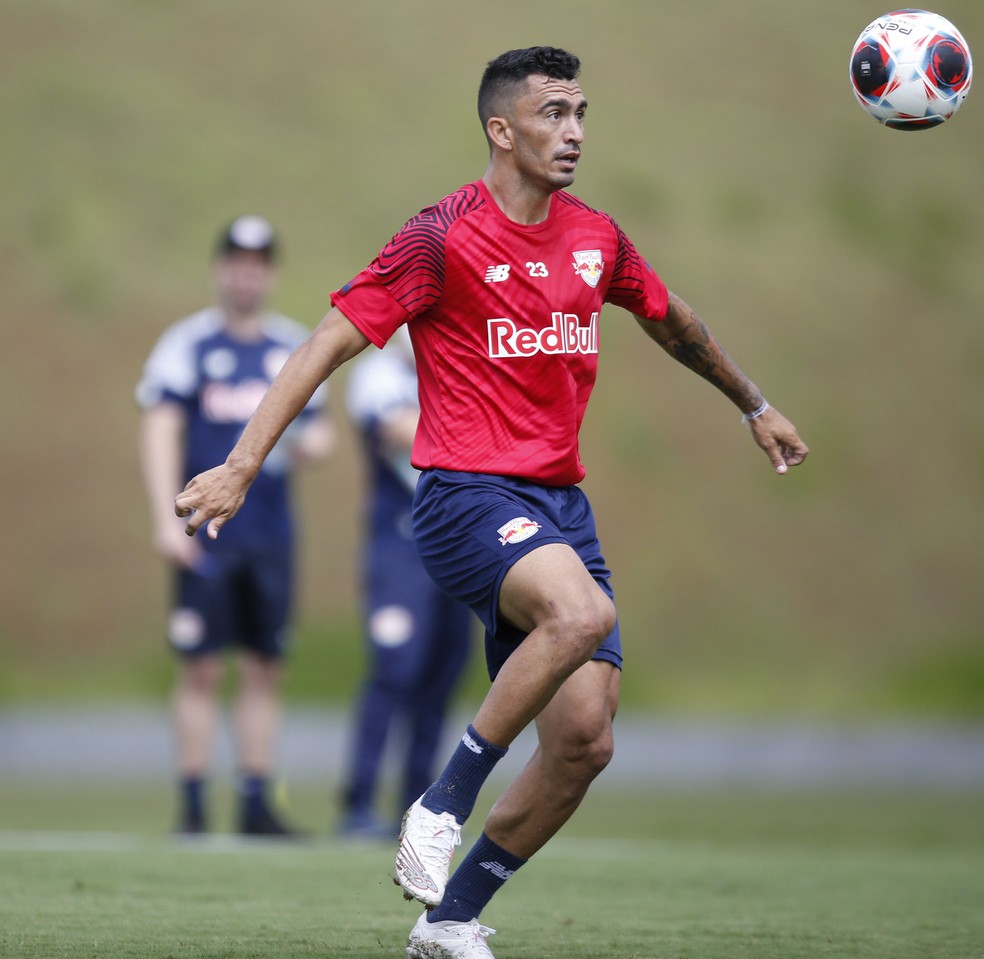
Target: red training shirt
[{"x": 504, "y": 323}]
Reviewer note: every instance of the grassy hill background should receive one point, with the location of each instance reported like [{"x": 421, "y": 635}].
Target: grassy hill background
[{"x": 838, "y": 261}]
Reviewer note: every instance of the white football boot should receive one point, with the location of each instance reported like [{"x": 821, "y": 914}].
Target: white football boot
[
  {"x": 449, "y": 940},
  {"x": 427, "y": 843}
]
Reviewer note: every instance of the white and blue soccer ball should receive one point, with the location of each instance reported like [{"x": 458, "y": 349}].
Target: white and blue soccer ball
[{"x": 911, "y": 69}]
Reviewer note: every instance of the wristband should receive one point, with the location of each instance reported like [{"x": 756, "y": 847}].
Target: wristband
[{"x": 755, "y": 414}]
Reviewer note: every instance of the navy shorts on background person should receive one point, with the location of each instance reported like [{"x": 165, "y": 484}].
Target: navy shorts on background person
[
  {"x": 470, "y": 528},
  {"x": 236, "y": 598}
]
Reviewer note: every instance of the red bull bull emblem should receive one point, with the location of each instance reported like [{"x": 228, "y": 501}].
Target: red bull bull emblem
[
  {"x": 589, "y": 266},
  {"x": 516, "y": 530}
]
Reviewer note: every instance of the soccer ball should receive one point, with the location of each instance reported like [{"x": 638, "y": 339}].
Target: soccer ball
[{"x": 911, "y": 69}]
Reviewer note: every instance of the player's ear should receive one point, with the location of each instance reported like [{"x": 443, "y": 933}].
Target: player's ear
[{"x": 499, "y": 133}]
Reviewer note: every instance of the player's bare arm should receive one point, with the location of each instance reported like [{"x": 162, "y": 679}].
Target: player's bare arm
[
  {"x": 687, "y": 339},
  {"x": 161, "y": 444},
  {"x": 684, "y": 336},
  {"x": 215, "y": 496},
  {"x": 315, "y": 442}
]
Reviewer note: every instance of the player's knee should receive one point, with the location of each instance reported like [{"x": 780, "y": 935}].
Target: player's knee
[
  {"x": 586, "y": 750},
  {"x": 260, "y": 674},
  {"x": 585, "y": 628},
  {"x": 594, "y": 757},
  {"x": 201, "y": 674},
  {"x": 605, "y": 620}
]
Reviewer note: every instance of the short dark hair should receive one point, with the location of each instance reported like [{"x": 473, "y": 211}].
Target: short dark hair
[{"x": 514, "y": 66}]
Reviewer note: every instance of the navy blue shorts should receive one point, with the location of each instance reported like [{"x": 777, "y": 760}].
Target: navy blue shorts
[
  {"x": 471, "y": 527},
  {"x": 236, "y": 598}
]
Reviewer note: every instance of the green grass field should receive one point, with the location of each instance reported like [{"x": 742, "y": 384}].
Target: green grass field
[{"x": 86, "y": 872}]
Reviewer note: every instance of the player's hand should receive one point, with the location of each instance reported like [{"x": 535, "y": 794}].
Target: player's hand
[
  {"x": 171, "y": 544},
  {"x": 779, "y": 439},
  {"x": 211, "y": 498}
]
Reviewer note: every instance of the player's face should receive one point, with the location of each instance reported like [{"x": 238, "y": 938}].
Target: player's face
[
  {"x": 243, "y": 280},
  {"x": 548, "y": 129}
]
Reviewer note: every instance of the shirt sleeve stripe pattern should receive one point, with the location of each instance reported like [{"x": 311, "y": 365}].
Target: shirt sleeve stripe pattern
[{"x": 411, "y": 265}]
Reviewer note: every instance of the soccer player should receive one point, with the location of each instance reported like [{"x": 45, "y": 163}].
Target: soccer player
[
  {"x": 418, "y": 637},
  {"x": 199, "y": 387},
  {"x": 502, "y": 284}
]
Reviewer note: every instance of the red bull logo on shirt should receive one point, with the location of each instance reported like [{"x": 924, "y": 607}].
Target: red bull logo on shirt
[
  {"x": 565, "y": 334},
  {"x": 589, "y": 266},
  {"x": 516, "y": 530}
]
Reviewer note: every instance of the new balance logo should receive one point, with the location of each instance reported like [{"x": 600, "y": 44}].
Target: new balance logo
[
  {"x": 471, "y": 744},
  {"x": 497, "y": 870},
  {"x": 497, "y": 274},
  {"x": 412, "y": 871}
]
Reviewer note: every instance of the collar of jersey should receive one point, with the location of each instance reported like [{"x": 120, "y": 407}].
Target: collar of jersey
[{"x": 524, "y": 227}]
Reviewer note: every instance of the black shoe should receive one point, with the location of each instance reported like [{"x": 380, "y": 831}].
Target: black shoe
[
  {"x": 262, "y": 822},
  {"x": 190, "y": 825}
]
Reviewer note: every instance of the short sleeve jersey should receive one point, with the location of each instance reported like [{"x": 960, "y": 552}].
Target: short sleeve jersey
[
  {"x": 219, "y": 381},
  {"x": 504, "y": 323}
]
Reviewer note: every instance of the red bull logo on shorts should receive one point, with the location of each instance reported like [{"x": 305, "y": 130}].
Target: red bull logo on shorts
[{"x": 516, "y": 530}]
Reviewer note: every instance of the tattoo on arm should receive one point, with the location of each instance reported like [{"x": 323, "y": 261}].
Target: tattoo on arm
[{"x": 685, "y": 337}]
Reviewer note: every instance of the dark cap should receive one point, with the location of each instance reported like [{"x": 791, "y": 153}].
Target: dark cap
[{"x": 248, "y": 233}]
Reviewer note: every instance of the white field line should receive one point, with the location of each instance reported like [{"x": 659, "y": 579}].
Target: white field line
[
  {"x": 16, "y": 840},
  {"x": 68, "y": 841}
]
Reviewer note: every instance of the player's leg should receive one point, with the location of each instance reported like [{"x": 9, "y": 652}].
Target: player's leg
[
  {"x": 549, "y": 595},
  {"x": 559, "y": 616},
  {"x": 503, "y": 547},
  {"x": 263, "y": 595},
  {"x": 575, "y": 745},
  {"x": 194, "y": 717},
  {"x": 257, "y": 716},
  {"x": 447, "y": 628},
  {"x": 396, "y": 641},
  {"x": 257, "y": 713},
  {"x": 373, "y": 713},
  {"x": 197, "y": 633}
]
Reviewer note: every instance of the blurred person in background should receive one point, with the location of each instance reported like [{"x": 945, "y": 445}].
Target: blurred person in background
[
  {"x": 201, "y": 383},
  {"x": 417, "y": 636}
]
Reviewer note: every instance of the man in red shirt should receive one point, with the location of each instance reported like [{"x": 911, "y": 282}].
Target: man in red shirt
[{"x": 502, "y": 284}]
